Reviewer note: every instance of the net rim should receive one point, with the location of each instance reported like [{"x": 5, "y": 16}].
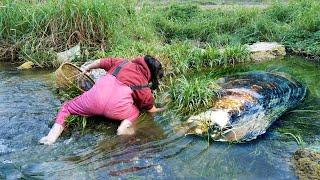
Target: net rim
[{"x": 75, "y": 67}]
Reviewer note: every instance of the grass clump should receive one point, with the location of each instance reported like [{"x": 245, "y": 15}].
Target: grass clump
[
  {"x": 77, "y": 121},
  {"x": 191, "y": 96},
  {"x": 211, "y": 56},
  {"x": 185, "y": 57},
  {"x": 179, "y": 56},
  {"x": 73, "y": 120},
  {"x": 183, "y": 12},
  {"x": 59, "y": 25},
  {"x": 234, "y": 54}
]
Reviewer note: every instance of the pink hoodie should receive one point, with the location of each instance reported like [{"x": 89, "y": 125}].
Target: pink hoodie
[{"x": 112, "y": 97}]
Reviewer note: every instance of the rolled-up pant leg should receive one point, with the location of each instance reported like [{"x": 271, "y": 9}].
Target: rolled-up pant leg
[{"x": 76, "y": 106}]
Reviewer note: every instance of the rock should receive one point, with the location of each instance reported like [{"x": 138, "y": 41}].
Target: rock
[
  {"x": 307, "y": 164},
  {"x": 26, "y": 65},
  {"x": 95, "y": 73},
  {"x": 261, "y": 51},
  {"x": 69, "y": 55}
]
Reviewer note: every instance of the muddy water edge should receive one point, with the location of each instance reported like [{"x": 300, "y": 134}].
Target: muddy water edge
[{"x": 28, "y": 107}]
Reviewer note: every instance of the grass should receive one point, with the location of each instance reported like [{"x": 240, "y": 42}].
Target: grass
[
  {"x": 116, "y": 28},
  {"x": 287, "y": 23},
  {"x": 297, "y": 138},
  {"x": 77, "y": 121},
  {"x": 57, "y": 25},
  {"x": 186, "y": 37},
  {"x": 234, "y": 54},
  {"x": 192, "y": 95},
  {"x": 183, "y": 57}
]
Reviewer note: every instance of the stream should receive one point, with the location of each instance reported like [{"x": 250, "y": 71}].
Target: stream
[{"x": 28, "y": 107}]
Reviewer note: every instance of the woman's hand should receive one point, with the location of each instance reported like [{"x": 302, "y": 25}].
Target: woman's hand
[
  {"x": 94, "y": 65},
  {"x": 87, "y": 70},
  {"x": 155, "y": 109},
  {"x": 53, "y": 135}
]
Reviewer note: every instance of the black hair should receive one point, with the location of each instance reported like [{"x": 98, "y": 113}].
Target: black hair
[{"x": 156, "y": 70}]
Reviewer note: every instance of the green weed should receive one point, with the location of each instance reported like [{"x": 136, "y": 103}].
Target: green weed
[
  {"x": 77, "y": 121},
  {"x": 192, "y": 95},
  {"x": 183, "y": 12},
  {"x": 234, "y": 54},
  {"x": 117, "y": 28},
  {"x": 211, "y": 56},
  {"x": 297, "y": 138}
]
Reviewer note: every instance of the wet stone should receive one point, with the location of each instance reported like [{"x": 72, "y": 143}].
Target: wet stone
[
  {"x": 262, "y": 51},
  {"x": 307, "y": 164}
]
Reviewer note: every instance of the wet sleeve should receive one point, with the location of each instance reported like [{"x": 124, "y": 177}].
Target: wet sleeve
[
  {"x": 144, "y": 99},
  {"x": 63, "y": 114},
  {"x": 108, "y": 63}
]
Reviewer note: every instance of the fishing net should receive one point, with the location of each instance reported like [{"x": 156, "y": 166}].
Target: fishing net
[{"x": 70, "y": 76}]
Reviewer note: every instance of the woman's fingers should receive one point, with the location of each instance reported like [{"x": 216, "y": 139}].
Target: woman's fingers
[{"x": 88, "y": 72}]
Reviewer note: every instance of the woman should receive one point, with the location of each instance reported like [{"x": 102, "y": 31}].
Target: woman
[{"x": 120, "y": 95}]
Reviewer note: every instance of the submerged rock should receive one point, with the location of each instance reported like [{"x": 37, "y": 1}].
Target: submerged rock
[
  {"x": 307, "y": 164},
  {"x": 248, "y": 105},
  {"x": 261, "y": 51}
]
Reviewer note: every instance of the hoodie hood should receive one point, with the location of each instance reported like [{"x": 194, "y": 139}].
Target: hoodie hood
[{"x": 143, "y": 67}]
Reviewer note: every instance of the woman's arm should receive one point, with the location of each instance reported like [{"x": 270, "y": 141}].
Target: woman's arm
[{"x": 94, "y": 65}]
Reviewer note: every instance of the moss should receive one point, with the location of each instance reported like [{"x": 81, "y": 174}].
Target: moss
[{"x": 307, "y": 164}]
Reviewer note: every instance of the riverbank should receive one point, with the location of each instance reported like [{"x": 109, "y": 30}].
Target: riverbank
[{"x": 173, "y": 32}]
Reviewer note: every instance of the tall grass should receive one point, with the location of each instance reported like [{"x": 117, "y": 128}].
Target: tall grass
[
  {"x": 186, "y": 57},
  {"x": 296, "y": 24},
  {"x": 196, "y": 91},
  {"x": 193, "y": 95},
  {"x": 184, "y": 36},
  {"x": 35, "y": 31},
  {"x": 234, "y": 54},
  {"x": 58, "y": 25}
]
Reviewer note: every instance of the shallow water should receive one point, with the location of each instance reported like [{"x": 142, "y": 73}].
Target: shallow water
[{"x": 28, "y": 106}]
